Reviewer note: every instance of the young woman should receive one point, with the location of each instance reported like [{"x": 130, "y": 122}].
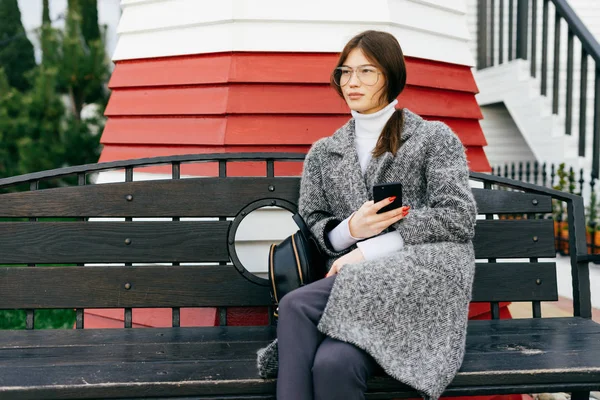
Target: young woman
[{"x": 399, "y": 284}]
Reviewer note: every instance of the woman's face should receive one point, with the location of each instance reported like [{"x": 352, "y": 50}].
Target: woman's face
[{"x": 362, "y": 96}]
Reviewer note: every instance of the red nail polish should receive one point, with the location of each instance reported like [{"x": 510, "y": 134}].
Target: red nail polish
[{"x": 392, "y": 198}]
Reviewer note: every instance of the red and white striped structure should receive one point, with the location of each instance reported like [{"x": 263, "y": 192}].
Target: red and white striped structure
[{"x": 235, "y": 75}]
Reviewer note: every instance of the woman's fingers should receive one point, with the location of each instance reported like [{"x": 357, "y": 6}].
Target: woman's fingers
[
  {"x": 366, "y": 223},
  {"x": 402, "y": 211},
  {"x": 391, "y": 217},
  {"x": 382, "y": 203}
]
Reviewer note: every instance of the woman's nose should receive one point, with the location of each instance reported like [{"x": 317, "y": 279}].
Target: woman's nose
[{"x": 354, "y": 81}]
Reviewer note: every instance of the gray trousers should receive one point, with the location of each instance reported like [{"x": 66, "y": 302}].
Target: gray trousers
[{"x": 312, "y": 365}]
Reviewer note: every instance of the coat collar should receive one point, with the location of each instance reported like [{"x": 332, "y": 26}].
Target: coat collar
[
  {"x": 378, "y": 170},
  {"x": 343, "y": 141}
]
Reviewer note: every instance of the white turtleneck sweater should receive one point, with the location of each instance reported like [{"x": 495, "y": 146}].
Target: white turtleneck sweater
[{"x": 368, "y": 128}]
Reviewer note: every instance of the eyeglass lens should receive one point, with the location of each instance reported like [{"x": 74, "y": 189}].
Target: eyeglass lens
[{"x": 367, "y": 75}]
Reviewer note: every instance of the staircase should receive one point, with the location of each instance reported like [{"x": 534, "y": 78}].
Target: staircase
[
  {"x": 504, "y": 137},
  {"x": 539, "y": 60},
  {"x": 540, "y": 129}
]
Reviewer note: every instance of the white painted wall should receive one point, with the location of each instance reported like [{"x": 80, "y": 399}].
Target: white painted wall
[
  {"x": 430, "y": 29},
  {"x": 503, "y": 136}
]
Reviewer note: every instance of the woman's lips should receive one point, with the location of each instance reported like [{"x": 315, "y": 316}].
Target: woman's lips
[{"x": 355, "y": 96}]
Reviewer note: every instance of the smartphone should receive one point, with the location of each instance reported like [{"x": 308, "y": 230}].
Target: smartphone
[{"x": 385, "y": 190}]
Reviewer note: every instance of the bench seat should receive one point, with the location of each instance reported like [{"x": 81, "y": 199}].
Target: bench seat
[{"x": 216, "y": 362}]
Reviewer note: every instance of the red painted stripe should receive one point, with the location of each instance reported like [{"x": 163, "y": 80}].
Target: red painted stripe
[
  {"x": 148, "y": 317},
  {"x": 271, "y": 68},
  {"x": 247, "y": 316},
  {"x": 475, "y": 156},
  {"x": 478, "y": 311},
  {"x": 477, "y": 160},
  {"x": 274, "y": 129},
  {"x": 115, "y": 153},
  {"x": 440, "y": 103},
  {"x": 186, "y": 70},
  {"x": 93, "y": 321},
  {"x": 168, "y": 101},
  {"x": 170, "y": 131},
  {"x": 248, "y": 130},
  {"x": 276, "y": 99},
  {"x": 439, "y": 75},
  {"x": 468, "y": 130}
]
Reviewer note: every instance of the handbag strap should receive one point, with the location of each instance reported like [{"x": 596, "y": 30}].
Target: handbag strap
[{"x": 302, "y": 225}]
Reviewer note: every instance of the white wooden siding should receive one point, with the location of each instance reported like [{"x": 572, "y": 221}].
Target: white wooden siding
[
  {"x": 503, "y": 136},
  {"x": 430, "y": 29}
]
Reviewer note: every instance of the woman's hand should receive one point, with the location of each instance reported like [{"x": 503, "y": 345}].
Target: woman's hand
[
  {"x": 353, "y": 257},
  {"x": 366, "y": 223}
]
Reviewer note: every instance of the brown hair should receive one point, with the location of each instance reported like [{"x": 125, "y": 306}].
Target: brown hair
[{"x": 384, "y": 51}]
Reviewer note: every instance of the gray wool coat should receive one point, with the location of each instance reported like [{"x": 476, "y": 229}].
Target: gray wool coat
[{"x": 408, "y": 309}]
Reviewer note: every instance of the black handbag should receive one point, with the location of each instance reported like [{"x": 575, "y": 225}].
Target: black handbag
[{"x": 295, "y": 262}]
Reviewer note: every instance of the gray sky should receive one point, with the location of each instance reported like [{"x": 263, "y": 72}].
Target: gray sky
[{"x": 109, "y": 12}]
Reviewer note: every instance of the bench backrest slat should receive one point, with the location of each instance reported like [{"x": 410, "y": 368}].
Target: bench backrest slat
[
  {"x": 514, "y": 238},
  {"x": 206, "y": 241},
  {"x": 149, "y": 286},
  {"x": 113, "y": 242},
  {"x": 515, "y": 282},
  {"x": 202, "y": 197},
  {"x": 193, "y": 197},
  {"x": 205, "y": 286},
  {"x": 506, "y": 202}
]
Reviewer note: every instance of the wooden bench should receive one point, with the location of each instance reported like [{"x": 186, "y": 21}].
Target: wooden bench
[{"x": 503, "y": 355}]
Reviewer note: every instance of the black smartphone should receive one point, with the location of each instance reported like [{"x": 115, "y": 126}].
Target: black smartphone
[{"x": 385, "y": 190}]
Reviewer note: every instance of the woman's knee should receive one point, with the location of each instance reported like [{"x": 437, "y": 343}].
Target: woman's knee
[
  {"x": 290, "y": 303},
  {"x": 302, "y": 299},
  {"x": 340, "y": 361}
]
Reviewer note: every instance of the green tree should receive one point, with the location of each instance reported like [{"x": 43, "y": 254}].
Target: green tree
[
  {"x": 40, "y": 130},
  {"x": 41, "y": 147},
  {"x": 89, "y": 21},
  {"x": 49, "y": 40},
  {"x": 95, "y": 40},
  {"x": 16, "y": 51},
  {"x": 84, "y": 65},
  {"x": 14, "y": 125},
  {"x": 46, "y": 13}
]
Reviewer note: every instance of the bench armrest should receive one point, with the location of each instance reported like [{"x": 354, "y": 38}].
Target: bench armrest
[{"x": 582, "y": 304}]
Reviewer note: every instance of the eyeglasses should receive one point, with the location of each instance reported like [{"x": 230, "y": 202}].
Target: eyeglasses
[{"x": 367, "y": 74}]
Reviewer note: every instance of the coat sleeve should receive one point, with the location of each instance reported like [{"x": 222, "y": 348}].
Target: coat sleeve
[
  {"x": 450, "y": 212},
  {"x": 312, "y": 204}
]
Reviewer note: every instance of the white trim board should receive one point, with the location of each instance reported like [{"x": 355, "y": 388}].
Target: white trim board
[{"x": 161, "y": 28}]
